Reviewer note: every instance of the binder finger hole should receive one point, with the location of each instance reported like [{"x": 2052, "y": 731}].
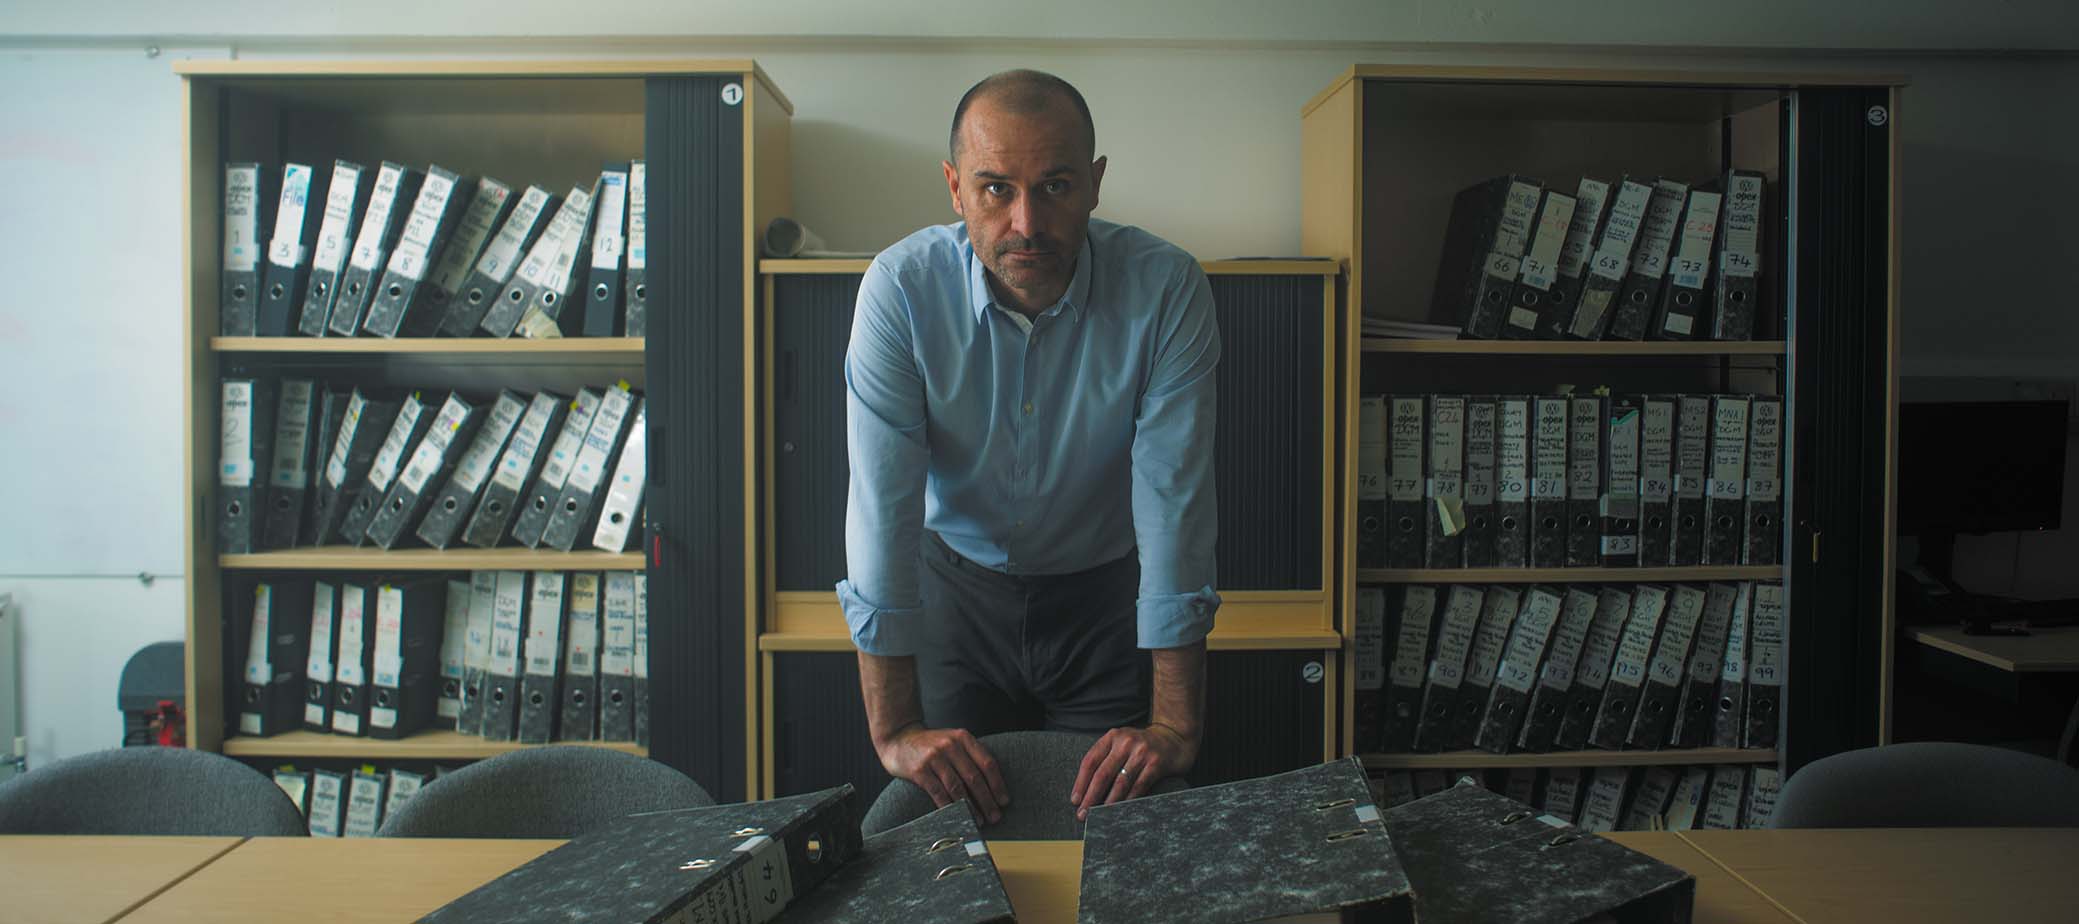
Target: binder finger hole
[
  {"x": 275, "y": 292},
  {"x": 252, "y": 695},
  {"x": 235, "y": 508},
  {"x": 618, "y": 518},
  {"x": 476, "y": 296},
  {"x": 599, "y": 292},
  {"x": 238, "y": 292},
  {"x": 395, "y": 290},
  {"x": 354, "y": 288},
  {"x": 1508, "y": 523},
  {"x": 548, "y": 298},
  {"x": 449, "y": 505},
  {"x": 577, "y": 697},
  {"x": 320, "y": 287},
  {"x": 534, "y": 699},
  {"x": 515, "y": 296},
  {"x": 382, "y": 698},
  {"x": 813, "y": 850},
  {"x": 1738, "y": 297},
  {"x": 642, "y": 291}
]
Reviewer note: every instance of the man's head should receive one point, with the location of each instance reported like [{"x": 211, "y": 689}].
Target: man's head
[{"x": 1024, "y": 174}]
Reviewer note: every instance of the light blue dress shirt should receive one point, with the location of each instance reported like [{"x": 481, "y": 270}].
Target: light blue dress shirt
[{"x": 1041, "y": 451}]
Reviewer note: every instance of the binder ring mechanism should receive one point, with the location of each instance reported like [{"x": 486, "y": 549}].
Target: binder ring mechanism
[
  {"x": 942, "y": 844},
  {"x": 747, "y": 832},
  {"x": 697, "y": 865},
  {"x": 1347, "y": 835},
  {"x": 951, "y": 871}
]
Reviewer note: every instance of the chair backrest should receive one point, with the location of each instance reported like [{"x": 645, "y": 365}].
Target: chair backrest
[
  {"x": 1039, "y": 769},
  {"x": 550, "y": 791},
  {"x": 1930, "y": 785},
  {"x": 148, "y": 791}
]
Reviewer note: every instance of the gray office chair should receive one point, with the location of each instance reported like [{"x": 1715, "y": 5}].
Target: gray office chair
[
  {"x": 1039, "y": 769},
  {"x": 1930, "y": 785},
  {"x": 550, "y": 791},
  {"x": 148, "y": 791}
]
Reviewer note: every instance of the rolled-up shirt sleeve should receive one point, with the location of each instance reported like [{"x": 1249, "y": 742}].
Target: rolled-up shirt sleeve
[
  {"x": 1175, "y": 519},
  {"x": 888, "y": 457}
]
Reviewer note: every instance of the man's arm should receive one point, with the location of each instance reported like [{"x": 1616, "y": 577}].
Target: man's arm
[
  {"x": 884, "y": 527},
  {"x": 1175, "y": 522}
]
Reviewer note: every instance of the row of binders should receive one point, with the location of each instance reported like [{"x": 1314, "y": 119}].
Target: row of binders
[
  {"x": 532, "y": 657},
  {"x": 1321, "y": 847},
  {"x": 306, "y": 464},
  {"x": 337, "y": 804},
  {"x": 1537, "y": 669},
  {"x": 1614, "y": 798},
  {"x": 1645, "y": 258},
  {"x": 1575, "y": 480},
  {"x": 400, "y": 251}
]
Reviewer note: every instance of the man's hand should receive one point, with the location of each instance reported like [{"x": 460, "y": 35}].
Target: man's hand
[
  {"x": 949, "y": 764},
  {"x": 1127, "y": 762}
]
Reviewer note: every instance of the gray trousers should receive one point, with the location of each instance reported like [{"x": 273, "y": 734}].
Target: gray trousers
[{"x": 1008, "y": 652}]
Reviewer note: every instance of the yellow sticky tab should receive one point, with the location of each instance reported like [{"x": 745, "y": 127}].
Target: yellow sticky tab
[
  {"x": 1562, "y": 390},
  {"x": 368, "y": 769},
  {"x": 286, "y": 768},
  {"x": 1601, "y": 391},
  {"x": 1451, "y": 513},
  {"x": 624, "y": 386}
]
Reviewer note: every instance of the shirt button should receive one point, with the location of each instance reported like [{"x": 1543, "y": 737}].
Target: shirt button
[{"x": 1028, "y": 407}]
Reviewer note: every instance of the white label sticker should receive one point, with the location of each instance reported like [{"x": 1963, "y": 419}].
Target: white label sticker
[
  {"x": 483, "y": 607},
  {"x": 291, "y": 467},
  {"x": 518, "y": 459},
  {"x": 317, "y": 664},
  {"x": 1765, "y": 451},
  {"x": 1371, "y": 638},
  {"x": 617, "y": 652},
  {"x": 1672, "y": 653},
  {"x": 235, "y": 452},
  {"x": 1663, "y": 220},
  {"x": 506, "y": 623},
  {"x": 1584, "y": 449},
  {"x": 336, "y": 467},
  {"x": 1693, "y": 256},
  {"x": 1497, "y": 618},
  {"x": 375, "y": 223},
  {"x": 241, "y": 218},
  {"x": 1621, "y": 231},
  {"x": 1411, "y": 648},
  {"x": 1656, "y": 451},
  {"x": 422, "y": 225},
  {"x": 1766, "y": 646},
  {"x": 642, "y": 624},
  {"x": 482, "y": 453},
  {"x": 364, "y": 805},
  {"x": 1728, "y": 449},
  {"x": 1541, "y": 264},
  {"x": 638, "y": 216},
  {"x": 1612, "y": 605},
  {"x": 385, "y": 468},
  {"x": 258, "y": 670},
  {"x": 326, "y": 792},
  {"x": 1518, "y": 670},
  {"x": 1404, "y": 450},
  {"x": 287, "y": 248},
  {"x": 581, "y": 637},
  {"x": 1371, "y": 449},
  {"x": 600, "y": 440},
  {"x": 452, "y": 271},
  {"x": 1576, "y": 615},
  {"x": 340, "y": 199},
  {"x": 353, "y": 621},
  {"x": 1741, "y": 250},
  {"x": 389, "y": 637},
  {"x": 1580, "y": 231},
  {"x": 433, "y": 449},
  {"x": 613, "y": 202},
  {"x": 1550, "y": 450},
  {"x": 544, "y": 620},
  {"x": 497, "y": 261},
  {"x": 1692, "y": 446},
  {"x": 1455, "y": 638},
  {"x": 1512, "y": 453}
]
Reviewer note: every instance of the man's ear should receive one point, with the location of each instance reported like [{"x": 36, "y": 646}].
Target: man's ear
[
  {"x": 953, "y": 186},
  {"x": 1096, "y": 179}
]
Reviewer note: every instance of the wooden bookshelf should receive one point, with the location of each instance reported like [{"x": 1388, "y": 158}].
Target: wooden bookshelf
[
  {"x": 1477, "y": 760},
  {"x": 430, "y": 745},
  {"x": 350, "y": 559},
  {"x": 1568, "y": 575},
  {"x": 614, "y": 349},
  {"x": 1600, "y": 348}
]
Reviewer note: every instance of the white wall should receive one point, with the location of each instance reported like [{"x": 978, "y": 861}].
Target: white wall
[{"x": 1200, "y": 122}]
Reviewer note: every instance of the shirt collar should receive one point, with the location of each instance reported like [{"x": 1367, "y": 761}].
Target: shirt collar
[{"x": 1071, "y": 304}]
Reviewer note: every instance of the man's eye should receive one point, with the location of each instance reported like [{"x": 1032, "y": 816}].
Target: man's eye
[
  {"x": 997, "y": 189},
  {"x": 1056, "y": 187}
]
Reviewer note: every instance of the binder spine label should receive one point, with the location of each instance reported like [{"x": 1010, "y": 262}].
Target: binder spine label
[
  {"x": 1709, "y": 657},
  {"x": 642, "y": 624},
  {"x": 476, "y": 462},
  {"x": 1584, "y": 454},
  {"x": 1600, "y": 647},
  {"x": 1685, "y": 605},
  {"x": 612, "y": 205},
  {"x": 1371, "y": 450},
  {"x": 483, "y": 612},
  {"x": 1620, "y": 498},
  {"x": 556, "y": 469},
  {"x": 454, "y": 640},
  {"x": 241, "y": 218},
  {"x": 1722, "y": 810},
  {"x": 600, "y": 440},
  {"x": 1404, "y": 480},
  {"x": 422, "y": 225},
  {"x": 388, "y": 660},
  {"x": 1541, "y": 263},
  {"x": 292, "y": 436},
  {"x": 1461, "y": 620},
  {"x": 364, "y": 805},
  {"x": 1492, "y": 639},
  {"x": 1411, "y": 649},
  {"x": 1765, "y": 451},
  {"x": 1621, "y": 231},
  {"x": 497, "y": 261},
  {"x": 1580, "y": 231},
  {"x": 1765, "y": 648},
  {"x": 1663, "y": 218},
  {"x": 326, "y": 799},
  {"x": 339, "y": 217},
  {"x": 352, "y": 620},
  {"x": 1635, "y": 648},
  {"x": 638, "y": 216},
  {"x": 386, "y": 461},
  {"x": 1560, "y": 665},
  {"x": 1479, "y": 453},
  {"x": 317, "y": 665},
  {"x": 375, "y": 224},
  {"x": 1371, "y": 639},
  {"x": 1527, "y": 641},
  {"x": 1692, "y": 447},
  {"x": 287, "y": 247},
  {"x": 617, "y": 652},
  {"x": 1551, "y": 479},
  {"x": 1656, "y": 452},
  {"x": 426, "y": 461},
  {"x": 1512, "y": 477},
  {"x": 1693, "y": 256},
  {"x": 235, "y": 451},
  {"x": 257, "y": 669},
  {"x": 1447, "y": 450},
  {"x": 518, "y": 458},
  {"x": 581, "y": 648},
  {"x": 506, "y": 616},
  {"x": 542, "y": 257},
  {"x": 1741, "y": 248},
  {"x": 1728, "y": 449},
  {"x": 470, "y": 233},
  {"x": 544, "y": 622},
  {"x": 336, "y": 467}
]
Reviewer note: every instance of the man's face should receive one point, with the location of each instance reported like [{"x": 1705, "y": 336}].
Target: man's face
[{"x": 1026, "y": 191}]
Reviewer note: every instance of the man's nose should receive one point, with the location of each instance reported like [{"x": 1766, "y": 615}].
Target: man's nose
[{"x": 1027, "y": 218}]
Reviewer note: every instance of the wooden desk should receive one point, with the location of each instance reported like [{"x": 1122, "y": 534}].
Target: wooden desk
[
  {"x": 2044, "y": 650},
  {"x": 1905, "y": 876},
  {"x": 272, "y": 879},
  {"x": 62, "y": 880},
  {"x": 335, "y": 879}
]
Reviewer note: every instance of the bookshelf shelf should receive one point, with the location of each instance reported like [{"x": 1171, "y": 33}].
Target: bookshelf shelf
[
  {"x": 1599, "y": 349},
  {"x": 618, "y": 349},
  {"x": 432, "y": 745},
  {"x": 1566, "y": 575},
  {"x": 1477, "y": 760},
  {"x": 350, "y": 559}
]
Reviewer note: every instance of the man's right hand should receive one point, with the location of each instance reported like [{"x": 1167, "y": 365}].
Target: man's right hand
[{"x": 949, "y": 764}]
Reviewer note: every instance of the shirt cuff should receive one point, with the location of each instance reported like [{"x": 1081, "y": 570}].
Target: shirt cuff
[
  {"x": 882, "y": 631},
  {"x": 1176, "y": 620}
]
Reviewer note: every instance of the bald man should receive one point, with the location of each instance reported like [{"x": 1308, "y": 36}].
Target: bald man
[{"x": 1029, "y": 534}]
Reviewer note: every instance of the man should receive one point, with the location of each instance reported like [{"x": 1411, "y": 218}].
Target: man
[{"x": 1030, "y": 429}]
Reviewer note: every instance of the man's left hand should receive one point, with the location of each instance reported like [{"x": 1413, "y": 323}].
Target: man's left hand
[{"x": 1127, "y": 762}]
